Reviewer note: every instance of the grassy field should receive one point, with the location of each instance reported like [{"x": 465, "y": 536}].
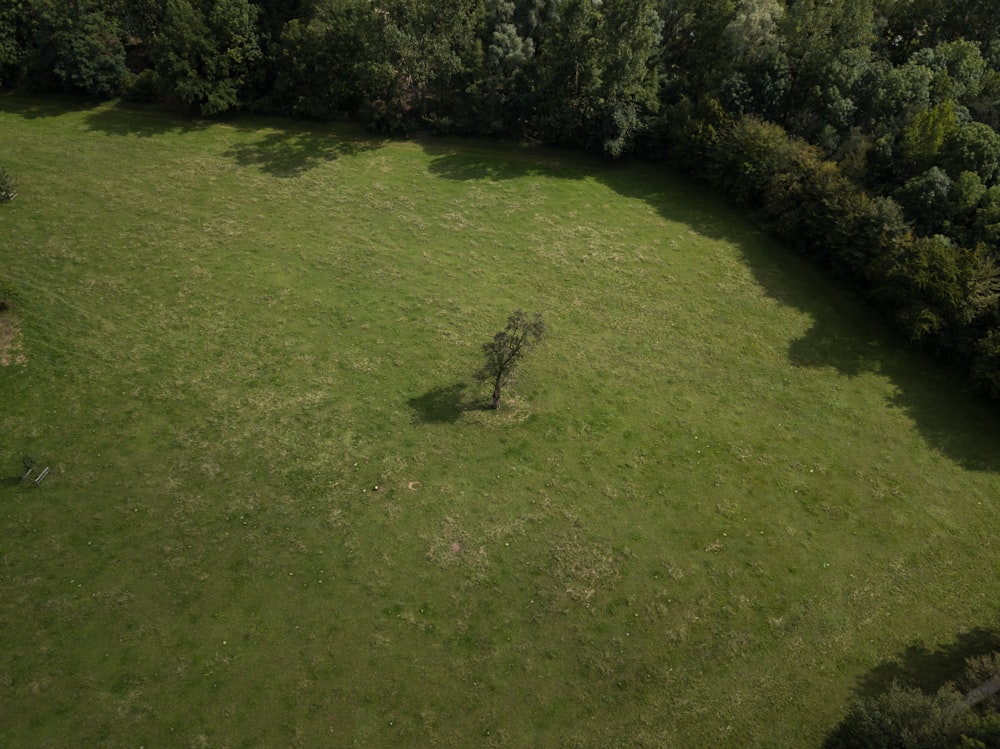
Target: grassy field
[{"x": 719, "y": 502}]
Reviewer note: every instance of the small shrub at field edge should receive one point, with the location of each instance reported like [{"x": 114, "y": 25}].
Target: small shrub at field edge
[
  {"x": 8, "y": 190},
  {"x": 8, "y": 294}
]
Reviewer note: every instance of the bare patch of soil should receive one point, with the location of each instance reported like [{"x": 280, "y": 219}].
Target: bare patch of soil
[{"x": 10, "y": 341}]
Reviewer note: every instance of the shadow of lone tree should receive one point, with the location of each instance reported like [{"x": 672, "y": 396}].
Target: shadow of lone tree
[
  {"x": 507, "y": 348},
  {"x": 441, "y": 405}
]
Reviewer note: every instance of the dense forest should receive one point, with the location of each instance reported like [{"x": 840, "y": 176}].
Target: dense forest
[{"x": 863, "y": 132}]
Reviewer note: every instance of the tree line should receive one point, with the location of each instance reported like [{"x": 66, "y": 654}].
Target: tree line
[{"x": 864, "y": 132}]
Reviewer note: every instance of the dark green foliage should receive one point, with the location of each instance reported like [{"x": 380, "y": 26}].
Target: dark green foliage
[
  {"x": 925, "y": 197},
  {"x": 889, "y": 95},
  {"x": 204, "y": 51},
  {"x": 336, "y": 62},
  {"x": 569, "y": 75},
  {"x": 8, "y": 294},
  {"x": 507, "y": 348},
  {"x": 908, "y": 718},
  {"x": 596, "y": 79},
  {"x": 986, "y": 222},
  {"x": 749, "y": 156},
  {"x": 510, "y": 41},
  {"x": 972, "y": 147},
  {"x": 986, "y": 363},
  {"x": 145, "y": 87},
  {"x": 138, "y": 19},
  {"x": 922, "y": 140},
  {"x": 924, "y": 281},
  {"x": 981, "y": 732},
  {"x": 8, "y": 190},
  {"x": 80, "y": 46},
  {"x": 434, "y": 49},
  {"x": 631, "y": 33},
  {"x": 695, "y": 129},
  {"x": 942, "y": 295},
  {"x": 813, "y": 205},
  {"x": 16, "y": 33},
  {"x": 901, "y": 718}
]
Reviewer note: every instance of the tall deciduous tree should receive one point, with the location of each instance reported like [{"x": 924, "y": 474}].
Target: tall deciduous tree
[
  {"x": 507, "y": 348},
  {"x": 205, "y": 50},
  {"x": 335, "y": 61},
  {"x": 829, "y": 43},
  {"x": 632, "y": 32},
  {"x": 80, "y": 45},
  {"x": 598, "y": 75},
  {"x": 16, "y": 30},
  {"x": 502, "y": 94},
  {"x": 434, "y": 44}
]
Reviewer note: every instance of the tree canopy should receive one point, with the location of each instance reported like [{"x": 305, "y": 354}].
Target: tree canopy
[{"x": 503, "y": 353}]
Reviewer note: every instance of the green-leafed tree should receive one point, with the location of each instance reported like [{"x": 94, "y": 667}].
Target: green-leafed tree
[
  {"x": 692, "y": 60},
  {"x": 504, "y": 352},
  {"x": 569, "y": 74},
  {"x": 889, "y": 95},
  {"x": 761, "y": 78},
  {"x": 272, "y": 17},
  {"x": 631, "y": 35},
  {"x": 435, "y": 48},
  {"x": 925, "y": 198},
  {"x": 79, "y": 46},
  {"x": 972, "y": 147},
  {"x": 138, "y": 19},
  {"x": 336, "y": 62},
  {"x": 501, "y": 96},
  {"x": 750, "y": 155},
  {"x": 986, "y": 222},
  {"x": 597, "y": 77},
  {"x": 941, "y": 293},
  {"x": 828, "y": 43},
  {"x": 17, "y": 29},
  {"x": 921, "y": 141},
  {"x": 204, "y": 52},
  {"x": 901, "y": 718},
  {"x": 915, "y": 24}
]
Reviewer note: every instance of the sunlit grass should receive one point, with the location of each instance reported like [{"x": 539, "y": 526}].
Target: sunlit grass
[{"x": 716, "y": 500}]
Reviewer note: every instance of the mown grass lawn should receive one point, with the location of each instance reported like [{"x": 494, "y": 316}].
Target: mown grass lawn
[{"x": 720, "y": 501}]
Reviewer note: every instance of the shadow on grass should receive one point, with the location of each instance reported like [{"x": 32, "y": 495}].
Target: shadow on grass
[
  {"x": 280, "y": 148},
  {"x": 444, "y": 404},
  {"x": 462, "y": 161},
  {"x": 922, "y": 668},
  {"x": 142, "y": 120},
  {"x": 929, "y": 669},
  {"x": 291, "y": 152},
  {"x": 854, "y": 340},
  {"x": 845, "y": 335},
  {"x": 10, "y": 481},
  {"x": 38, "y": 107}
]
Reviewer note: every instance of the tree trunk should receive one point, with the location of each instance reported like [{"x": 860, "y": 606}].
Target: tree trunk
[
  {"x": 496, "y": 394},
  {"x": 984, "y": 691}
]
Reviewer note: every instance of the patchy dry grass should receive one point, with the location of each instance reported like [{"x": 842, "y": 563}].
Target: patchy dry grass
[{"x": 11, "y": 348}]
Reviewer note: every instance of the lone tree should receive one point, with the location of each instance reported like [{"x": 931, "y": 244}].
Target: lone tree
[{"x": 507, "y": 347}]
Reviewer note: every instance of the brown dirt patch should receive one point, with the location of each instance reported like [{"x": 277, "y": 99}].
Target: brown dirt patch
[{"x": 10, "y": 341}]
